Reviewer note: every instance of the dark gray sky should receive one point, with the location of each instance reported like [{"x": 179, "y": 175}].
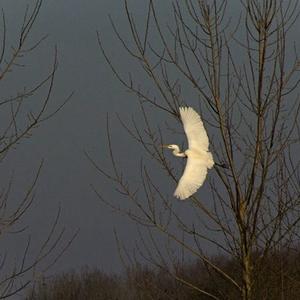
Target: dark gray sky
[{"x": 67, "y": 175}]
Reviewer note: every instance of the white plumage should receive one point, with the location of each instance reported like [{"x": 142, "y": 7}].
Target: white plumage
[{"x": 199, "y": 159}]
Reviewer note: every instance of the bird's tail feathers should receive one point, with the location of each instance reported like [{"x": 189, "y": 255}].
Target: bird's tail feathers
[{"x": 210, "y": 160}]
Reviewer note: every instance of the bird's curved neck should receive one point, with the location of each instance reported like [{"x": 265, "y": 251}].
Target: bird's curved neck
[{"x": 177, "y": 152}]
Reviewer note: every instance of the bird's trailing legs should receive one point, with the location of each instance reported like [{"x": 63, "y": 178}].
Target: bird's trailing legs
[{"x": 222, "y": 165}]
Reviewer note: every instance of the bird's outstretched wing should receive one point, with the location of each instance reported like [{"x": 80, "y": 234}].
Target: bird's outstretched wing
[
  {"x": 193, "y": 177},
  {"x": 194, "y": 129}
]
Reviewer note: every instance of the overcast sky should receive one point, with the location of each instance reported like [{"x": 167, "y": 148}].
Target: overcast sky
[{"x": 67, "y": 175}]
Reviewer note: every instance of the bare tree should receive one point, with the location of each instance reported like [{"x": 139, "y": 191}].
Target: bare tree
[
  {"x": 20, "y": 115},
  {"x": 240, "y": 68}
]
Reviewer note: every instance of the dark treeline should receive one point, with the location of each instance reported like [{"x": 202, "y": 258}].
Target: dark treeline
[{"x": 279, "y": 278}]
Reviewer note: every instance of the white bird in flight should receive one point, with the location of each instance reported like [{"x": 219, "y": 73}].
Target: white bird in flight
[{"x": 199, "y": 159}]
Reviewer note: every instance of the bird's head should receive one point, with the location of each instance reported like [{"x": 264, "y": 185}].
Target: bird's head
[{"x": 171, "y": 146}]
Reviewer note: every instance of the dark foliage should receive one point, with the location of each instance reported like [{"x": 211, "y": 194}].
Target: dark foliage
[{"x": 278, "y": 278}]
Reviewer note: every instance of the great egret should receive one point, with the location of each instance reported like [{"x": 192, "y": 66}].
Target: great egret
[{"x": 199, "y": 159}]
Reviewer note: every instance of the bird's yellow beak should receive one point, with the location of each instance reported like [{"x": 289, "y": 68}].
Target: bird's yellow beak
[{"x": 164, "y": 146}]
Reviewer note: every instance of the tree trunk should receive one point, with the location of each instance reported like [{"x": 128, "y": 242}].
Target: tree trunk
[{"x": 247, "y": 275}]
